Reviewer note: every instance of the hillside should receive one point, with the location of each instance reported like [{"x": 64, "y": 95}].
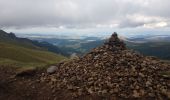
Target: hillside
[
  {"x": 21, "y": 56},
  {"x": 109, "y": 72},
  {"x": 27, "y": 43},
  {"x": 12, "y": 39},
  {"x": 158, "y": 49}
]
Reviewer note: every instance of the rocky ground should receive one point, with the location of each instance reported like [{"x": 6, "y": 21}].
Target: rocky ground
[{"x": 108, "y": 72}]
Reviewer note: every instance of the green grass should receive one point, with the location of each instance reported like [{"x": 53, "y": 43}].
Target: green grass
[{"x": 24, "y": 57}]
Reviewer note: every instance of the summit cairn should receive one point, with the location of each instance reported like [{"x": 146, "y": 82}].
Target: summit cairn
[
  {"x": 113, "y": 72},
  {"x": 115, "y": 41}
]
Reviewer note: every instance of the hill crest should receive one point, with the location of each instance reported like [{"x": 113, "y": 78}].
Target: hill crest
[{"x": 112, "y": 71}]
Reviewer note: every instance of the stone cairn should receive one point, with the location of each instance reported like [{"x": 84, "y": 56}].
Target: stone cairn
[
  {"x": 114, "y": 42},
  {"x": 112, "y": 71}
]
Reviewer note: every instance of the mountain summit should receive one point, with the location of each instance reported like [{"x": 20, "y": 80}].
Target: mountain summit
[{"x": 112, "y": 72}]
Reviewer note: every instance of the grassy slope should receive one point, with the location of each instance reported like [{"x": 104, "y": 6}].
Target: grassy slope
[
  {"x": 21, "y": 56},
  {"x": 10, "y": 38}
]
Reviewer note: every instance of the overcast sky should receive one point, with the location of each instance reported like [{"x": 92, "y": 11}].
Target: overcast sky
[{"x": 86, "y": 16}]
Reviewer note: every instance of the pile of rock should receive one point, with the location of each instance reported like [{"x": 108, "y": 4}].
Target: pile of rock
[
  {"x": 114, "y": 42},
  {"x": 112, "y": 71}
]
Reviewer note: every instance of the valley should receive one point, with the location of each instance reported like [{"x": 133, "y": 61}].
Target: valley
[{"x": 149, "y": 45}]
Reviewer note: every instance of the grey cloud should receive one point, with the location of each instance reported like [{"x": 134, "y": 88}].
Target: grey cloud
[{"x": 79, "y": 13}]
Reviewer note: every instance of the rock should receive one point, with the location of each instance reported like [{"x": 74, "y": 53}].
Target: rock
[
  {"x": 53, "y": 79},
  {"x": 51, "y": 69},
  {"x": 42, "y": 74},
  {"x": 70, "y": 87},
  {"x": 53, "y": 91},
  {"x": 141, "y": 74},
  {"x": 148, "y": 83},
  {"x": 142, "y": 92},
  {"x": 137, "y": 87},
  {"x": 115, "y": 90},
  {"x": 80, "y": 92},
  {"x": 136, "y": 94},
  {"x": 151, "y": 94},
  {"x": 42, "y": 79},
  {"x": 90, "y": 90},
  {"x": 104, "y": 92}
]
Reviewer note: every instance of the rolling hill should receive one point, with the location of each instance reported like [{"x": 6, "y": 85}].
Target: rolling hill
[
  {"x": 22, "y": 52},
  {"x": 25, "y": 57},
  {"x": 24, "y": 42}
]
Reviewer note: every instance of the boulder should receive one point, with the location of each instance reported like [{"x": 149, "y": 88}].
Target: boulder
[{"x": 51, "y": 69}]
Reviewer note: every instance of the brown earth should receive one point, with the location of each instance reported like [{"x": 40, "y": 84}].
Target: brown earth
[{"x": 27, "y": 87}]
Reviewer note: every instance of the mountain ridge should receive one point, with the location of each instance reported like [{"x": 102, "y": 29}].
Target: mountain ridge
[{"x": 161, "y": 47}]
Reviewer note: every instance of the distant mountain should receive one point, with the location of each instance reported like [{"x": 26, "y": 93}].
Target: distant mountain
[
  {"x": 150, "y": 38},
  {"x": 158, "y": 49},
  {"x": 24, "y": 42},
  {"x": 151, "y": 45},
  {"x": 70, "y": 46},
  {"x": 158, "y": 45}
]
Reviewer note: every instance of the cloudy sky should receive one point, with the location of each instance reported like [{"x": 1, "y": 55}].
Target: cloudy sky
[{"x": 85, "y": 16}]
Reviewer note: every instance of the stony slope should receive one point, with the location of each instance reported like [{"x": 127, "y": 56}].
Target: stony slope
[
  {"x": 107, "y": 72},
  {"x": 112, "y": 71}
]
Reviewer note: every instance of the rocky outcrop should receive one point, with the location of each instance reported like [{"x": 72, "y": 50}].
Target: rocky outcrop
[{"x": 112, "y": 71}]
